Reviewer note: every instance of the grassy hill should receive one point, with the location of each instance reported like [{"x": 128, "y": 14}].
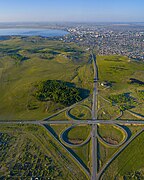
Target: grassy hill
[{"x": 24, "y": 62}]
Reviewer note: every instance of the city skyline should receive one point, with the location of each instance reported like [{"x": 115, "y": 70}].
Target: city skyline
[{"x": 72, "y": 11}]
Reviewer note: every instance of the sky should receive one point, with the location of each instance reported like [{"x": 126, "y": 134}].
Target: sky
[{"x": 71, "y": 10}]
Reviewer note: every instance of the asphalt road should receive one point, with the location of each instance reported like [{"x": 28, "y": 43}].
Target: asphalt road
[
  {"x": 94, "y": 132},
  {"x": 74, "y": 122}
]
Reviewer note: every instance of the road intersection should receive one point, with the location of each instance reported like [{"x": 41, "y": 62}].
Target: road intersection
[{"x": 95, "y": 174}]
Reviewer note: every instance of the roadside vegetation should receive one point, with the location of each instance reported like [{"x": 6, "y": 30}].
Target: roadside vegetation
[
  {"x": 39, "y": 78},
  {"x": 111, "y": 134}
]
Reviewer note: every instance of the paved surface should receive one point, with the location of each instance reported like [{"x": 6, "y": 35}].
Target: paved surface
[
  {"x": 94, "y": 132},
  {"x": 90, "y": 122}
]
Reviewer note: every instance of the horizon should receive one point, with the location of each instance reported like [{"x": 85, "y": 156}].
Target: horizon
[
  {"x": 77, "y": 22},
  {"x": 80, "y": 11}
]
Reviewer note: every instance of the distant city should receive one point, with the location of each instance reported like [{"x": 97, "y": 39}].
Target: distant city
[
  {"x": 110, "y": 39},
  {"x": 126, "y": 39}
]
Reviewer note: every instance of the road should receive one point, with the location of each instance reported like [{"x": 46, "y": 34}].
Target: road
[
  {"x": 76, "y": 122},
  {"x": 90, "y": 122},
  {"x": 94, "y": 132}
]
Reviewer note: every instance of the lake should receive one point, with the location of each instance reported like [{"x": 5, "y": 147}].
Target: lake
[{"x": 33, "y": 32}]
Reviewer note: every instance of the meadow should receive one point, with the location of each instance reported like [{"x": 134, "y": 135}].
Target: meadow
[
  {"x": 25, "y": 62},
  {"x": 119, "y": 71}
]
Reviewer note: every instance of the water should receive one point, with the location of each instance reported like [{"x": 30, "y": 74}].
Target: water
[{"x": 33, "y": 32}]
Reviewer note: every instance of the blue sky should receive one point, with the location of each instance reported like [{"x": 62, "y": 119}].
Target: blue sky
[{"x": 72, "y": 10}]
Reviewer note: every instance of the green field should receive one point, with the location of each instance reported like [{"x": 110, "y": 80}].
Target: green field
[
  {"x": 111, "y": 133},
  {"x": 44, "y": 60},
  {"x": 118, "y": 71},
  {"x": 28, "y": 150}
]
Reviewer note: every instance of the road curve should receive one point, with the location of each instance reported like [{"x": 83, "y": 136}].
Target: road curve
[
  {"x": 65, "y": 109},
  {"x": 74, "y": 158},
  {"x": 115, "y": 145},
  {"x": 99, "y": 175},
  {"x": 68, "y": 144},
  {"x": 68, "y": 114}
]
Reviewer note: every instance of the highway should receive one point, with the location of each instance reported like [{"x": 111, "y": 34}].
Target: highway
[
  {"x": 94, "y": 132},
  {"x": 77, "y": 122}
]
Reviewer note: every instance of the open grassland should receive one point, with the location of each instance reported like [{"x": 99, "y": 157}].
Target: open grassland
[
  {"x": 84, "y": 153},
  {"x": 128, "y": 116},
  {"x": 34, "y": 60},
  {"x": 82, "y": 111},
  {"x": 25, "y": 62},
  {"x": 78, "y": 135},
  {"x": 59, "y": 128},
  {"x": 107, "y": 111},
  {"x": 124, "y": 76},
  {"x": 59, "y": 116},
  {"x": 85, "y": 76},
  {"x": 134, "y": 128},
  {"x": 118, "y": 70},
  {"x": 111, "y": 133},
  {"x": 34, "y": 153}
]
